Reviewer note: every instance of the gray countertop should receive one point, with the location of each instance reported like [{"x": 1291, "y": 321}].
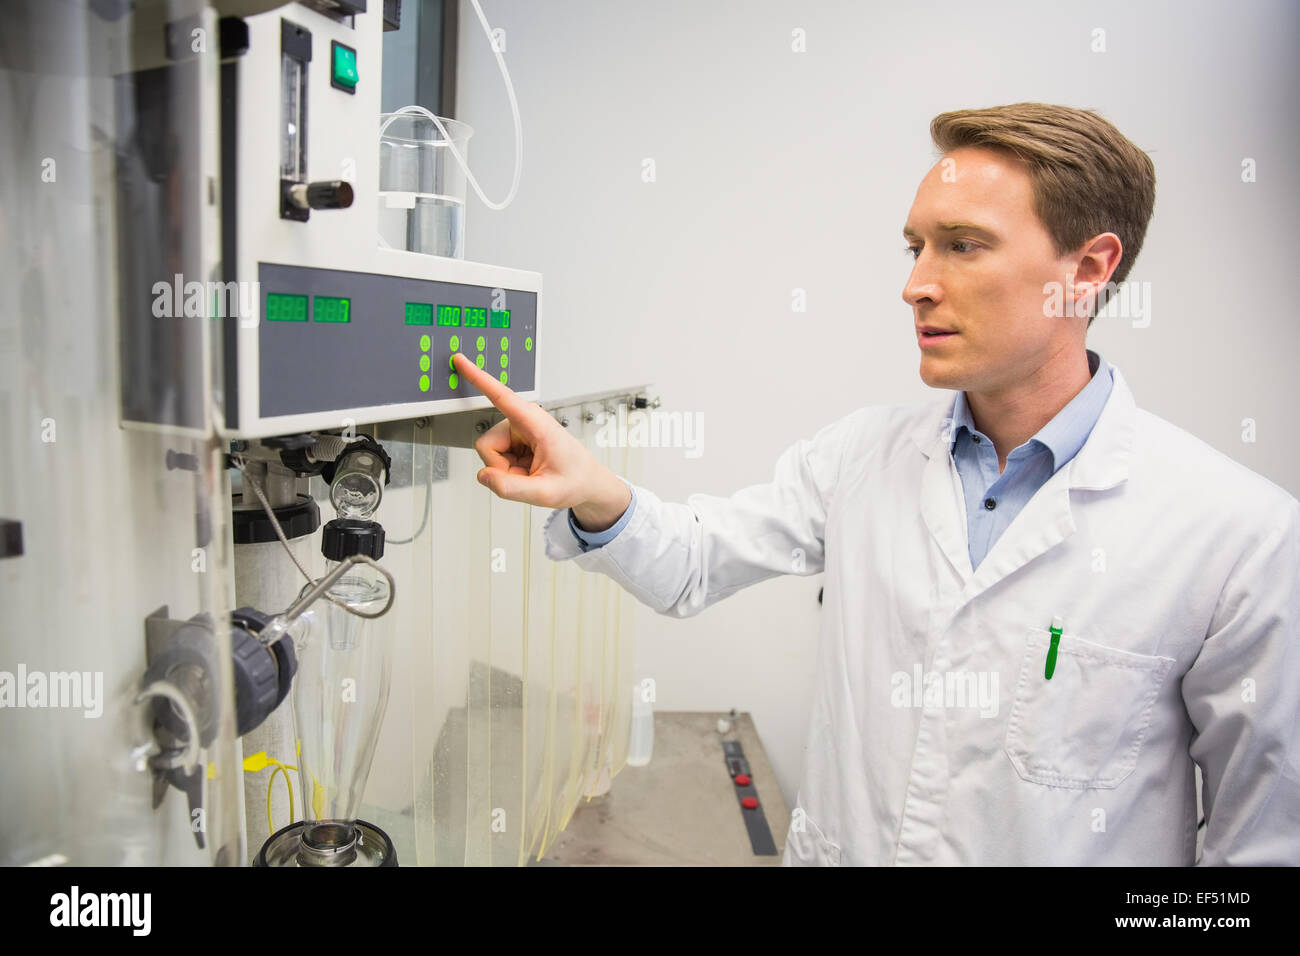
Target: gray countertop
[{"x": 681, "y": 808}]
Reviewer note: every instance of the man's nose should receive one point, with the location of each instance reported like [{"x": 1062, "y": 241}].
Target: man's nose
[{"x": 920, "y": 286}]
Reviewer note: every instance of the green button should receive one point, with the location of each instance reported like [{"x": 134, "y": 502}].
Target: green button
[
  {"x": 505, "y": 360},
  {"x": 451, "y": 363},
  {"x": 503, "y": 376},
  {"x": 528, "y": 343},
  {"x": 452, "y": 380},
  {"x": 505, "y": 343},
  {"x": 345, "y": 66},
  {"x": 480, "y": 343},
  {"x": 455, "y": 343},
  {"x": 479, "y": 361},
  {"x": 425, "y": 342},
  {"x": 424, "y": 363},
  {"x": 424, "y": 383}
]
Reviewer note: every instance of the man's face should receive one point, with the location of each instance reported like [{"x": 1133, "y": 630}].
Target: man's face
[{"x": 984, "y": 278}]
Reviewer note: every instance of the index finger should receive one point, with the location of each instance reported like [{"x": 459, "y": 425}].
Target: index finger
[{"x": 514, "y": 407}]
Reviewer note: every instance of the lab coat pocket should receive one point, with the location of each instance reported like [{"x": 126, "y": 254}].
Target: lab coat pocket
[{"x": 1082, "y": 729}]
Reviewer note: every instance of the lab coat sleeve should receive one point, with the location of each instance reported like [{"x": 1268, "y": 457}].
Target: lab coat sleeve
[
  {"x": 680, "y": 558},
  {"x": 1243, "y": 696}
]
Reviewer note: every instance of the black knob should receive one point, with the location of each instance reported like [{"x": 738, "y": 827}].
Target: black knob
[{"x": 333, "y": 194}]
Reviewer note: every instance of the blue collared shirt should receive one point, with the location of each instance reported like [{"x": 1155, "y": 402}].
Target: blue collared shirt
[{"x": 992, "y": 499}]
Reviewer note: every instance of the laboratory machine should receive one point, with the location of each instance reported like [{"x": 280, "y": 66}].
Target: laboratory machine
[{"x": 242, "y": 535}]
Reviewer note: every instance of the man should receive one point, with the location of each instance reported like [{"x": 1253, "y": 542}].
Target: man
[{"x": 1043, "y": 605}]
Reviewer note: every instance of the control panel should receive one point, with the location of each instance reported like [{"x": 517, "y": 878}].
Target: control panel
[{"x": 332, "y": 340}]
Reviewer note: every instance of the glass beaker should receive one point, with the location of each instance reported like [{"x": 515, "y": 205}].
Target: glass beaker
[
  {"x": 422, "y": 185},
  {"x": 340, "y": 694}
]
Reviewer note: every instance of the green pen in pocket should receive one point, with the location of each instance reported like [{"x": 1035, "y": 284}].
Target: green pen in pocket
[{"x": 1055, "y": 630}]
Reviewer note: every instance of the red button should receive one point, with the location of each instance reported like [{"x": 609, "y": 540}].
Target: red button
[
  {"x": 742, "y": 780},
  {"x": 749, "y": 803}
]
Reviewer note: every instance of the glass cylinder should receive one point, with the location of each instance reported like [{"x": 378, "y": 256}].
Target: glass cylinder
[
  {"x": 340, "y": 695},
  {"x": 358, "y": 484}
]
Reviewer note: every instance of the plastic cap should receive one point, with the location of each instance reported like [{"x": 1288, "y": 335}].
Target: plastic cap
[{"x": 344, "y": 537}]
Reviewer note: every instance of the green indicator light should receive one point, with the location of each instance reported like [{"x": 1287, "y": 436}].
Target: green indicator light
[
  {"x": 424, "y": 383},
  {"x": 505, "y": 360},
  {"x": 452, "y": 380},
  {"x": 419, "y": 313},
  {"x": 424, "y": 363},
  {"x": 480, "y": 342},
  {"x": 505, "y": 343},
  {"x": 455, "y": 343},
  {"x": 449, "y": 315},
  {"x": 504, "y": 377},
  {"x": 425, "y": 342},
  {"x": 285, "y": 308},
  {"x": 329, "y": 309},
  {"x": 528, "y": 344},
  {"x": 475, "y": 317},
  {"x": 479, "y": 361},
  {"x": 501, "y": 319},
  {"x": 345, "y": 67}
]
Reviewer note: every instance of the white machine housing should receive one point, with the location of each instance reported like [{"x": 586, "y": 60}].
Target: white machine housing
[{"x": 285, "y": 377}]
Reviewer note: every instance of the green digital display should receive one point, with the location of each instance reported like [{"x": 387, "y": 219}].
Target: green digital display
[
  {"x": 285, "y": 308},
  {"x": 475, "y": 317},
  {"x": 449, "y": 315},
  {"x": 419, "y": 313},
  {"x": 501, "y": 318},
  {"x": 329, "y": 309}
]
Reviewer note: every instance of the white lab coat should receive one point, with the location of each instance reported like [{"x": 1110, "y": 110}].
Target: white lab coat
[{"x": 1176, "y": 572}]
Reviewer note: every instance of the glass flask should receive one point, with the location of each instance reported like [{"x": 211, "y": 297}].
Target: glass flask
[{"x": 339, "y": 698}]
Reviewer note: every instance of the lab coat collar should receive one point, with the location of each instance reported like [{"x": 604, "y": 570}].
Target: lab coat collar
[{"x": 1046, "y": 520}]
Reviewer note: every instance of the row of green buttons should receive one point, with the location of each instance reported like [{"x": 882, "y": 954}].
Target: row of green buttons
[
  {"x": 480, "y": 343},
  {"x": 451, "y": 361}
]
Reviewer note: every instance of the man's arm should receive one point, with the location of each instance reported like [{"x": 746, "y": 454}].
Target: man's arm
[
  {"x": 1243, "y": 696},
  {"x": 679, "y": 559}
]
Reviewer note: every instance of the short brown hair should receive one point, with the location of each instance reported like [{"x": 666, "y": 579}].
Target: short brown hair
[{"x": 1087, "y": 177}]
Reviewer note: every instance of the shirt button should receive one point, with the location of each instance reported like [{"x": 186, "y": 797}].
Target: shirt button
[
  {"x": 990, "y": 504},
  {"x": 975, "y": 438}
]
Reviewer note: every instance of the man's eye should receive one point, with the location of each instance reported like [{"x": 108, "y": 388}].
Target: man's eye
[{"x": 968, "y": 246}]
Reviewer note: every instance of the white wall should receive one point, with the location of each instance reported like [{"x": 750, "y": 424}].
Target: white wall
[{"x": 778, "y": 170}]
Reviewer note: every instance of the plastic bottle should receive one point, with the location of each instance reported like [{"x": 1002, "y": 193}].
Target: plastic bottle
[{"x": 642, "y": 742}]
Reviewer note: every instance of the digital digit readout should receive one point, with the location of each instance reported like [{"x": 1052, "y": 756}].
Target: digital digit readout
[
  {"x": 285, "y": 308},
  {"x": 475, "y": 317},
  {"x": 329, "y": 309},
  {"x": 500, "y": 318},
  {"x": 449, "y": 315},
  {"x": 419, "y": 313}
]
